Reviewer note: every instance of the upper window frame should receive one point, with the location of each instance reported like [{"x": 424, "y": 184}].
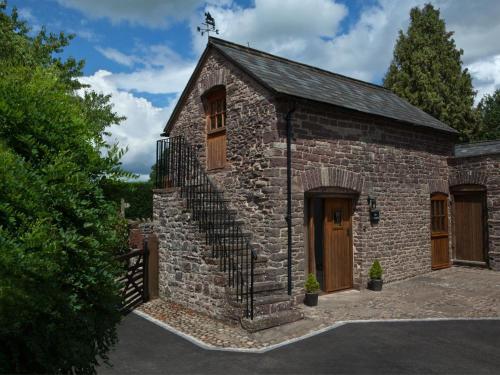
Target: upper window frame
[
  {"x": 441, "y": 230},
  {"x": 215, "y": 106}
]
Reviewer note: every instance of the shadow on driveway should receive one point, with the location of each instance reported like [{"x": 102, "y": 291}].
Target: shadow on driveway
[{"x": 365, "y": 348}]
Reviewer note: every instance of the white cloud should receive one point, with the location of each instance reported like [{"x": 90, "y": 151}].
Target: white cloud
[
  {"x": 27, "y": 15},
  {"x": 309, "y": 32},
  {"x": 84, "y": 33},
  {"x": 296, "y": 29},
  {"x": 486, "y": 74},
  {"x": 366, "y": 50},
  {"x": 475, "y": 24},
  {"x": 117, "y": 56},
  {"x": 300, "y": 30},
  {"x": 142, "y": 127},
  {"x": 169, "y": 79},
  {"x": 283, "y": 27},
  {"x": 162, "y": 70},
  {"x": 151, "y": 13}
]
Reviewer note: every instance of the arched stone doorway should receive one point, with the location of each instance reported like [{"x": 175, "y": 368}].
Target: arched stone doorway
[
  {"x": 470, "y": 217},
  {"x": 331, "y": 196},
  {"x": 470, "y": 225}
]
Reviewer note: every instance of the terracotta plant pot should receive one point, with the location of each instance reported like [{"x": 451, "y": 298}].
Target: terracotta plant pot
[
  {"x": 311, "y": 299},
  {"x": 375, "y": 284}
]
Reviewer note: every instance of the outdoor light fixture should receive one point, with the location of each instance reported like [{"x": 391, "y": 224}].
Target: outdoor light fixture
[{"x": 374, "y": 212}]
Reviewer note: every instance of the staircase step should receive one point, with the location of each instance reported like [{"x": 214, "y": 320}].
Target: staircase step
[
  {"x": 238, "y": 250},
  {"x": 271, "y": 320},
  {"x": 193, "y": 185},
  {"x": 263, "y": 286},
  {"x": 228, "y": 236},
  {"x": 223, "y": 222},
  {"x": 268, "y": 300},
  {"x": 229, "y": 231},
  {"x": 228, "y": 212},
  {"x": 261, "y": 260},
  {"x": 197, "y": 200}
]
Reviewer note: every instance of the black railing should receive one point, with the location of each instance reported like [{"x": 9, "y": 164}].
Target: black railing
[{"x": 177, "y": 165}]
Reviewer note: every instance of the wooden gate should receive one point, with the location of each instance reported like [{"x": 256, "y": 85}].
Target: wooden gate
[
  {"x": 470, "y": 226},
  {"x": 337, "y": 244},
  {"x": 134, "y": 289},
  {"x": 439, "y": 231}
]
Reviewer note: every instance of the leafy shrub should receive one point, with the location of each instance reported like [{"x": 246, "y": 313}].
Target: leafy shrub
[
  {"x": 58, "y": 233},
  {"x": 311, "y": 285},
  {"x": 376, "y": 270}
]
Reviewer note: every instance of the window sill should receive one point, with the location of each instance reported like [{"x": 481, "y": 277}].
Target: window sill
[
  {"x": 215, "y": 170},
  {"x": 215, "y": 131}
]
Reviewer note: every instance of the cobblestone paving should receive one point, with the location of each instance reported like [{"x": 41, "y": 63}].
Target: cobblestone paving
[{"x": 455, "y": 292}]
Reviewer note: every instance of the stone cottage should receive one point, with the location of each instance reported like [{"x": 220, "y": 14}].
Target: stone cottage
[{"x": 274, "y": 169}]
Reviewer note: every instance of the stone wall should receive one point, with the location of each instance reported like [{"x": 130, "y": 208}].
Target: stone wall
[
  {"x": 398, "y": 164},
  {"x": 483, "y": 170},
  {"x": 185, "y": 276},
  {"x": 248, "y": 180}
]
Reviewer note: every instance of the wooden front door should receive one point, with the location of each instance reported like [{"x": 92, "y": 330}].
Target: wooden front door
[
  {"x": 439, "y": 231},
  {"x": 337, "y": 245},
  {"x": 469, "y": 227}
]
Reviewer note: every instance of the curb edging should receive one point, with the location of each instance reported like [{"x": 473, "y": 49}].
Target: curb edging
[{"x": 206, "y": 346}]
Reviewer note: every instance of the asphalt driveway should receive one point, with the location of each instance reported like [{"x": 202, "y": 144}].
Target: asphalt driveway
[{"x": 438, "y": 347}]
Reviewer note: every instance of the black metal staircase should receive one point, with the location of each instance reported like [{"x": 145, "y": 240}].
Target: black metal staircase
[{"x": 177, "y": 165}]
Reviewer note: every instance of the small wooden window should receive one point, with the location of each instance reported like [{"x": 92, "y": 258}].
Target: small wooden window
[
  {"x": 216, "y": 129},
  {"x": 439, "y": 213}
]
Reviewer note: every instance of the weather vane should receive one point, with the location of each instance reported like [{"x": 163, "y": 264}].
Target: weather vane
[{"x": 208, "y": 25}]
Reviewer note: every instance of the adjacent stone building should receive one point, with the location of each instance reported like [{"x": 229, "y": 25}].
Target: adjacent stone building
[{"x": 371, "y": 177}]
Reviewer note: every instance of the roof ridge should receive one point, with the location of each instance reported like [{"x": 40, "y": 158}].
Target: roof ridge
[{"x": 214, "y": 41}]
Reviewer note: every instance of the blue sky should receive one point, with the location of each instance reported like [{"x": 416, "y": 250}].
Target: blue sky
[{"x": 142, "y": 52}]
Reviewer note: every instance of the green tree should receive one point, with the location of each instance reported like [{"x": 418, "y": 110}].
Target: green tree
[
  {"x": 58, "y": 233},
  {"x": 152, "y": 175},
  {"x": 489, "y": 112},
  {"x": 427, "y": 71},
  {"x": 138, "y": 194}
]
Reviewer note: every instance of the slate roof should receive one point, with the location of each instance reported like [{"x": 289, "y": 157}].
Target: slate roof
[
  {"x": 287, "y": 77},
  {"x": 476, "y": 149}
]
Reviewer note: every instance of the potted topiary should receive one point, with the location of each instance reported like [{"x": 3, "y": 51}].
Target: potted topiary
[
  {"x": 375, "y": 282},
  {"x": 312, "y": 289}
]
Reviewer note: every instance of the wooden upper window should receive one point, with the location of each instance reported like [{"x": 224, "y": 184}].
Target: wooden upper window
[
  {"x": 216, "y": 116},
  {"x": 439, "y": 213},
  {"x": 216, "y": 129}
]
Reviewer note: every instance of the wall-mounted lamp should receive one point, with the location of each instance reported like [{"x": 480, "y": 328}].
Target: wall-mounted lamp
[{"x": 374, "y": 212}]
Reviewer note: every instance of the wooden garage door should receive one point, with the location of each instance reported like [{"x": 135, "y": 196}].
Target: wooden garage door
[
  {"x": 337, "y": 245},
  {"x": 439, "y": 231},
  {"x": 469, "y": 227}
]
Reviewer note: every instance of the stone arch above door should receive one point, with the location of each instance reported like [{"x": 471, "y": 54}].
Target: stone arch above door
[
  {"x": 211, "y": 80},
  {"x": 331, "y": 177},
  {"x": 216, "y": 78},
  {"x": 468, "y": 177},
  {"x": 438, "y": 186}
]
